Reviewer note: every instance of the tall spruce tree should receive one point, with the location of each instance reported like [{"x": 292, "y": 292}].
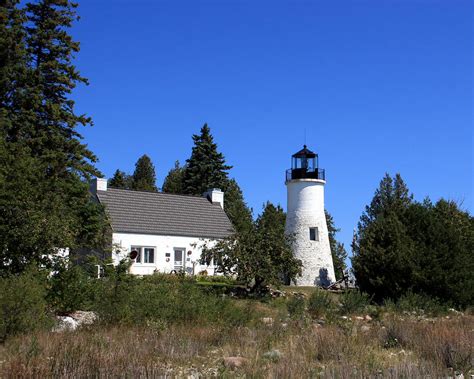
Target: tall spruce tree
[
  {"x": 173, "y": 182},
  {"x": 144, "y": 177},
  {"x": 382, "y": 251},
  {"x": 206, "y": 167},
  {"x": 120, "y": 180},
  {"x": 44, "y": 201},
  {"x": 338, "y": 251},
  {"x": 235, "y": 207}
]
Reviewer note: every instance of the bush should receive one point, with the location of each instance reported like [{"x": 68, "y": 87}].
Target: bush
[
  {"x": 132, "y": 300},
  {"x": 71, "y": 289},
  {"x": 296, "y": 307},
  {"x": 23, "y": 306},
  {"x": 319, "y": 303},
  {"x": 354, "y": 301},
  {"x": 413, "y": 302}
]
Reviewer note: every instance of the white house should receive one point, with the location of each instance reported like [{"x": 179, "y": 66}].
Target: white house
[{"x": 162, "y": 232}]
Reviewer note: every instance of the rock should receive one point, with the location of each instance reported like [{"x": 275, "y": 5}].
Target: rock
[
  {"x": 359, "y": 318},
  {"x": 284, "y": 325},
  {"x": 267, "y": 320},
  {"x": 364, "y": 328},
  {"x": 84, "y": 317},
  {"x": 273, "y": 355},
  {"x": 368, "y": 318},
  {"x": 344, "y": 317},
  {"x": 65, "y": 323},
  {"x": 234, "y": 362}
]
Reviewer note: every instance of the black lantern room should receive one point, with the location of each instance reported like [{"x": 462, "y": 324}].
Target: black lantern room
[{"x": 304, "y": 165}]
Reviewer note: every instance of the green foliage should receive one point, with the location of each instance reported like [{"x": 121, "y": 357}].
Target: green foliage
[
  {"x": 419, "y": 303},
  {"x": 144, "y": 177},
  {"x": 404, "y": 246},
  {"x": 338, "y": 251},
  {"x": 319, "y": 303},
  {"x": 23, "y": 306},
  {"x": 120, "y": 180},
  {"x": 296, "y": 307},
  {"x": 260, "y": 257},
  {"x": 236, "y": 209},
  {"x": 170, "y": 300},
  {"x": 44, "y": 199},
  {"x": 70, "y": 288},
  {"x": 354, "y": 301},
  {"x": 174, "y": 180},
  {"x": 206, "y": 167}
]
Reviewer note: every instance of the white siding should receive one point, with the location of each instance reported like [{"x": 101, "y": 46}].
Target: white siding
[{"x": 123, "y": 242}]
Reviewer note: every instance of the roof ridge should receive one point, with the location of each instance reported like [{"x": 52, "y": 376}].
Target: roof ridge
[{"x": 156, "y": 193}]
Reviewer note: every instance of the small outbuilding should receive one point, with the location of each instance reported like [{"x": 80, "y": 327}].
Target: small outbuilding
[{"x": 162, "y": 232}]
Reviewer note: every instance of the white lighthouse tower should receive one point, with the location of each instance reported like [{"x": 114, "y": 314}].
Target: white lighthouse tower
[{"x": 306, "y": 221}]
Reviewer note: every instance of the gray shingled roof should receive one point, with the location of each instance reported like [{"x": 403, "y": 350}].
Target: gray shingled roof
[{"x": 164, "y": 214}]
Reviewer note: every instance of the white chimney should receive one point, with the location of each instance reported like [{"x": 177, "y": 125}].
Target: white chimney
[
  {"x": 98, "y": 184},
  {"x": 215, "y": 196}
]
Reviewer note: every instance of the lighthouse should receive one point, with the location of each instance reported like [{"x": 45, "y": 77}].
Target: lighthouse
[{"x": 306, "y": 220}]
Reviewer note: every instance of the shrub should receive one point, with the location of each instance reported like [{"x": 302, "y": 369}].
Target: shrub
[
  {"x": 319, "y": 303},
  {"x": 354, "y": 301},
  {"x": 420, "y": 303},
  {"x": 71, "y": 289},
  {"x": 23, "y": 306},
  {"x": 132, "y": 300},
  {"x": 296, "y": 307}
]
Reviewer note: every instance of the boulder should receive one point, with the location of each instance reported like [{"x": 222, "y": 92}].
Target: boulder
[
  {"x": 65, "y": 323},
  {"x": 84, "y": 317}
]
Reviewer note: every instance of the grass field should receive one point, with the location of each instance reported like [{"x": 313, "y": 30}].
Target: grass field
[{"x": 271, "y": 344}]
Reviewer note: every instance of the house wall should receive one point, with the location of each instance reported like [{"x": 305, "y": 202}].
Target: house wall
[{"x": 122, "y": 243}]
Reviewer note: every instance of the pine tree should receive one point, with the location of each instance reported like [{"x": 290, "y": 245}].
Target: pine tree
[
  {"x": 206, "y": 167},
  {"x": 173, "y": 182},
  {"x": 382, "y": 252},
  {"x": 44, "y": 199},
  {"x": 144, "y": 177},
  {"x": 235, "y": 207},
  {"x": 338, "y": 251},
  {"x": 53, "y": 135},
  {"x": 120, "y": 180}
]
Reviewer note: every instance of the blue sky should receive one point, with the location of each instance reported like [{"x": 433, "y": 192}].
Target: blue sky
[{"x": 378, "y": 86}]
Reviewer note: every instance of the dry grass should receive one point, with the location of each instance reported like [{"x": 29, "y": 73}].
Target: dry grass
[{"x": 392, "y": 347}]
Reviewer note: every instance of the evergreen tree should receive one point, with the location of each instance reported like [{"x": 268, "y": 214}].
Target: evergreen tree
[
  {"x": 382, "y": 252},
  {"x": 206, "y": 167},
  {"x": 44, "y": 199},
  {"x": 234, "y": 205},
  {"x": 338, "y": 251},
  {"x": 120, "y": 180},
  {"x": 174, "y": 180},
  {"x": 53, "y": 134},
  {"x": 144, "y": 177}
]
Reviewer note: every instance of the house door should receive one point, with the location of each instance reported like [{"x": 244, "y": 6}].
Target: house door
[{"x": 179, "y": 260}]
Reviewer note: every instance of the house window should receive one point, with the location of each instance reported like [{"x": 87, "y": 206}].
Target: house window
[
  {"x": 145, "y": 254},
  {"x": 148, "y": 255},
  {"x": 314, "y": 234}
]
